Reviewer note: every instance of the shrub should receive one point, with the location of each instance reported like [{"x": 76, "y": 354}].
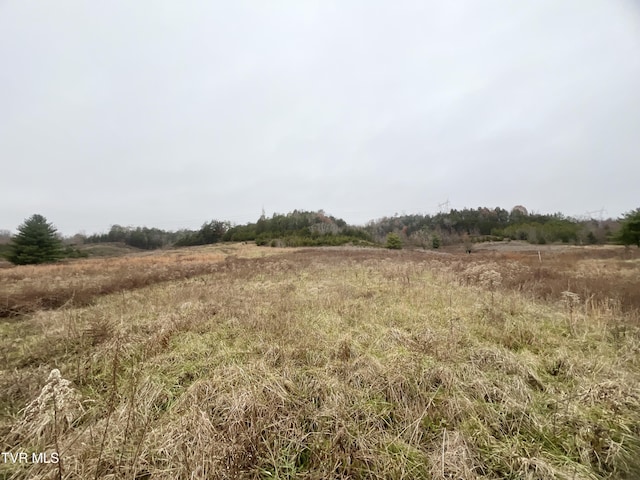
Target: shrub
[
  {"x": 71, "y": 252},
  {"x": 393, "y": 241}
]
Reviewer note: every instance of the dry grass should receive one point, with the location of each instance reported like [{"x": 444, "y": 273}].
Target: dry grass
[
  {"x": 603, "y": 277},
  {"x": 337, "y": 363},
  {"x": 27, "y": 289}
]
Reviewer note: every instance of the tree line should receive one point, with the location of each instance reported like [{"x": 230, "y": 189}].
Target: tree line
[
  {"x": 38, "y": 241},
  {"x": 299, "y": 228},
  {"x": 153, "y": 238},
  {"x": 483, "y": 224}
]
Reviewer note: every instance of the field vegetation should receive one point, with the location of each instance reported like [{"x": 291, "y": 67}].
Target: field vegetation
[
  {"x": 300, "y": 228},
  {"x": 239, "y": 361}
]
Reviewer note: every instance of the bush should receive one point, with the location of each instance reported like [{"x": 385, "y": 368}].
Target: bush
[
  {"x": 435, "y": 242},
  {"x": 71, "y": 252},
  {"x": 393, "y": 241}
]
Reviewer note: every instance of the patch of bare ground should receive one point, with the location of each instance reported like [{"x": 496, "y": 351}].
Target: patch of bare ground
[{"x": 317, "y": 363}]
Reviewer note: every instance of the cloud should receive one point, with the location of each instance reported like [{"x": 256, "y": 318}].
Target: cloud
[{"x": 174, "y": 113}]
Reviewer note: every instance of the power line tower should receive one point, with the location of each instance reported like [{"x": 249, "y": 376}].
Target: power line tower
[
  {"x": 600, "y": 213},
  {"x": 445, "y": 205}
]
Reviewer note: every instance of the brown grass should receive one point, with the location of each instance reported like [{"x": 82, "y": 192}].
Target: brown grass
[
  {"x": 27, "y": 289},
  {"x": 336, "y": 363},
  {"x": 603, "y": 277}
]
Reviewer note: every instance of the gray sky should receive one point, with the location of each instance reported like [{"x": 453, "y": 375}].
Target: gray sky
[{"x": 168, "y": 114}]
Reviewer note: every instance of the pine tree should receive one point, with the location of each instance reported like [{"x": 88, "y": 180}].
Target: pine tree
[
  {"x": 394, "y": 242},
  {"x": 629, "y": 234},
  {"x": 36, "y": 242}
]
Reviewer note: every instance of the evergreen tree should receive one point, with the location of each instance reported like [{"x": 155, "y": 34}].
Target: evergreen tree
[
  {"x": 36, "y": 242},
  {"x": 394, "y": 242},
  {"x": 629, "y": 234}
]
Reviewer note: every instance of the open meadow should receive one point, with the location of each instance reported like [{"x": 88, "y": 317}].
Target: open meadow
[{"x": 238, "y": 361}]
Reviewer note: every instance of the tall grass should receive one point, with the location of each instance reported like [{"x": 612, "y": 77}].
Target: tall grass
[
  {"x": 340, "y": 363},
  {"x": 27, "y": 289}
]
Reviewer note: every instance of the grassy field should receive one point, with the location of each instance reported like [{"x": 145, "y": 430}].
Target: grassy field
[{"x": 236, "y": 361}]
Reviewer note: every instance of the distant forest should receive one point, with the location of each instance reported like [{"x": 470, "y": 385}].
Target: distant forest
[{"x": 305, "y": 228}]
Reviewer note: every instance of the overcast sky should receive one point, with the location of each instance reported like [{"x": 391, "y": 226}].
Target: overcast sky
[{"x": 171, "y": 113}]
